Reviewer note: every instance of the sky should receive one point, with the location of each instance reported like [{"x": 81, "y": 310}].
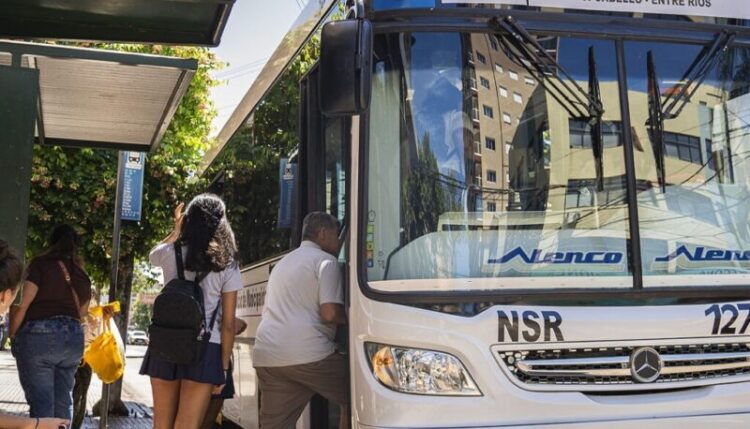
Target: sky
[{"x": 254, "y": 29}]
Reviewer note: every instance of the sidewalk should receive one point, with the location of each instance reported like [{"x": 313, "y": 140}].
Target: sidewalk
[{"x": 136, "y": 393}]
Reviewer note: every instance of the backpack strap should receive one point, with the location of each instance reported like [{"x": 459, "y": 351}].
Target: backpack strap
[
  {"x": 213, "y": 316},
  {"x": 198, "y": 294},
  {"x": 178, "y": 260}
]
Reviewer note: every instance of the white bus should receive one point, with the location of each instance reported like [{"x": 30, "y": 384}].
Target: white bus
[{"x": 545, "y": 208}]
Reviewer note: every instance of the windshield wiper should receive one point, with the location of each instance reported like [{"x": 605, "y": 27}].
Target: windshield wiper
[
  {"x": 675, "y": 100},
  {"x": 597, "y": 138},
  {"x": 523, "y": 49},
  {"x": 695, "y": 75},
  {"x": 656, "y": 120}
]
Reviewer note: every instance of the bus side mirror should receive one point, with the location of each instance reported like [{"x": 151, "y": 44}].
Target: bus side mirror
[{"x": 345, "y": 67}]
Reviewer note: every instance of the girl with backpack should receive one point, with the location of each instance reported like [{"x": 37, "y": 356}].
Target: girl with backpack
[{"x": 198, "y": 257}]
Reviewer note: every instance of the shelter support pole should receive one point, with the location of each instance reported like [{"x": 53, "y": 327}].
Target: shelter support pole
[
  {"x": 104, "y": 405},
  {"x": 19, "y": 91}
]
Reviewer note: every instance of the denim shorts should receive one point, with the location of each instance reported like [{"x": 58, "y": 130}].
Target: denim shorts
[{"x": 48, "y": 352}]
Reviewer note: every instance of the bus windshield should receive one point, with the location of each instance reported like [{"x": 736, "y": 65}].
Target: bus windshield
[{"x": 486, "y": 169}]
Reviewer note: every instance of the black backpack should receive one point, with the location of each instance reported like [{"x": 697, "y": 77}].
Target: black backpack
[{"x": 178, "y": 332}]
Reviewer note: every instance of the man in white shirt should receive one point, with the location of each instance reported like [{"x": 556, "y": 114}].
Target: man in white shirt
[{"x": 294, "y": 354}]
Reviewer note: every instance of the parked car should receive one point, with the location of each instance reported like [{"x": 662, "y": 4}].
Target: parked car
[{"x": 137, "y": 337}]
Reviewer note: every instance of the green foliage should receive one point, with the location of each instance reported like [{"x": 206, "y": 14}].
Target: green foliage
[
  {"x": 78, "y": 185},
  {"x": 425, "y": 193},
  {"x": 141, "y": 316},
  {"x": 246, "y": 173}
]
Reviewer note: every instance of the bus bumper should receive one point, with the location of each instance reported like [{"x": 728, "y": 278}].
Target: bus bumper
[{"x": 723, "y": 421}]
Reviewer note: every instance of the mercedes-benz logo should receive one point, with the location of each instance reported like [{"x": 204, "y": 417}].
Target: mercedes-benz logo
[{"x": 645, "y": 365}]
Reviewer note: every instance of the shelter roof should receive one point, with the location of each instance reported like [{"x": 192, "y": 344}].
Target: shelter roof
[
  {"x": 98, "y": 98},
  {"x": 183, "y": 22}
]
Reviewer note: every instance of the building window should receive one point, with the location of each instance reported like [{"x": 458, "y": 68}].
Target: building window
[
  {"x": 529, "y": 81},
  {"x": 491, "y": 176},
  {"x": 580, "y": 134},
  {"x": 503, "y": 91},
  {"x": 506, "y": 118},
  {"x": 477, "y": 145},
  {"x": 508, "y": 145},
  {"x": 485, "y": 83},
  {"x": 513, "y": 75},
  {"x": 470, "y": 56},
  {"x": 488, "y": 111},
  {"x": 498, "y": 68},
  {"x": 493, "y": 43},
  {"x": 489, "y": 143},
  {"x": 684, "y": 147},
  {"x": 518, "y": 98},
  {"x": 583, "y": 192},
  {"x": 481, "y": 58},
  {"x": 491, "y": 206}
]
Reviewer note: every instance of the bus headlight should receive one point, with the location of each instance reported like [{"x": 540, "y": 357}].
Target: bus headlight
[{"x": 421, "y": 372}]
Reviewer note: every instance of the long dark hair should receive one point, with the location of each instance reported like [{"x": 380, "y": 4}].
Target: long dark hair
[
  {"x": 207, "y": 234},
  {"x": 11, "y": 268},
  {"x": 63, "y": 244}
]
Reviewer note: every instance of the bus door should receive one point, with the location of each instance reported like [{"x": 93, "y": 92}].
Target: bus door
[{"x": 323, "y": 170}]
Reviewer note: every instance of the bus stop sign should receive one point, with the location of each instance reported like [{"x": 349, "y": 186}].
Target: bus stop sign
[{"x": 132, "y": 186}]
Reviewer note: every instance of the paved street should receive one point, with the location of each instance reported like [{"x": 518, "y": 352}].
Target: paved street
[{"x": 136, "y": 392}]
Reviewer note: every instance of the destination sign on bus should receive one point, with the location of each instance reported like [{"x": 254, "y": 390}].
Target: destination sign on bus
[{"x": 712, "y": 8}]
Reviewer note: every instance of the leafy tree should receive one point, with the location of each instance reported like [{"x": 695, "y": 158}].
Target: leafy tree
[
  {"x": 141, "y": 317},
  {"x": 78, "y": 185},
  {"x": 426, "y": 193},
  {"x": 246, "y": 172}
]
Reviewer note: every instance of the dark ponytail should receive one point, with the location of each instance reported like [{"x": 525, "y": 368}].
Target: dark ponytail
[{"x": 63, "y": 244}]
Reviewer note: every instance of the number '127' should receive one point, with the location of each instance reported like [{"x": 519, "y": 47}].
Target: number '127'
[{"x": 732, "y": 313}]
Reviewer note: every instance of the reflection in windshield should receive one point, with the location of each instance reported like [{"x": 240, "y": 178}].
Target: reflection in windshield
[
  {"x": 696, "y": 222},
  {"x": 476, "y": 169}
]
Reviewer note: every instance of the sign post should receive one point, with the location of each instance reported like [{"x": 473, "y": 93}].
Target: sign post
[{"x": 128, "y": 199}]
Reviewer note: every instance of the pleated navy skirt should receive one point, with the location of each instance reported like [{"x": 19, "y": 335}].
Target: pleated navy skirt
[{"x": 209, "y": 370}]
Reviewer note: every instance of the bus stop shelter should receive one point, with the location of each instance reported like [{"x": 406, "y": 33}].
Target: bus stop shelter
[{"x": 59, "y": 95}]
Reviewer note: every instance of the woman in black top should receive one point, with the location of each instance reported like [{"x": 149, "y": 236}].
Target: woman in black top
[
  {"x": 11, "y": 270},
  {"x": 47, "y": 338}
]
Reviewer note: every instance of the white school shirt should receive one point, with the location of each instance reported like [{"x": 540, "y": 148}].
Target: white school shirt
[
  {"x": 291, "y": 331},
  {"x": 215, "y": 283}
]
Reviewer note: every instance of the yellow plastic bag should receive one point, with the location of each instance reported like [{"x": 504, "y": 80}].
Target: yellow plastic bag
[{"x": 104, "y": 355}]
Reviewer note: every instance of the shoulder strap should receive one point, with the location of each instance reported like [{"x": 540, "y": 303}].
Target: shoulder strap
[
  {"x": 178, "y": 260},
  {"x": 198, "y": 293},
  {"x": 213, "y": 316},
  {"x": 69, "y": 282}
]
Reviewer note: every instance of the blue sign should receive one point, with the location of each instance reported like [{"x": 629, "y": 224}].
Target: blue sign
[
  {"x": 287, "y": 182},
  {"x": 132, "y": 185}
]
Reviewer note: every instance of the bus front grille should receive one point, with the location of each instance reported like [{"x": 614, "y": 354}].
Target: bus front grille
[{"x": 633, "y": 367}]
